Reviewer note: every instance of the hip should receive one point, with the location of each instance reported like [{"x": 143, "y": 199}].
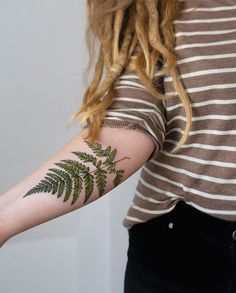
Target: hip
[{"x": 185, "y": 250}]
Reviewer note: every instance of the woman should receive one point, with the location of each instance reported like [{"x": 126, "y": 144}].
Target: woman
[{"x": 167, "y": 105}]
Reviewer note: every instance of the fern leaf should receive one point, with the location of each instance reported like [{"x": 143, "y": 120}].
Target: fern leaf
[
  {"x": 78, "y": 181},
  {"x": 78, "y": 167},
  {"x": 68, "y": 168},
  {"x": 108, "y": 150},
  {"x": 53, "y": 183},
  {"x": 37, "y": 189},
  {"x": 89, "y": 184},
  {"x": 110, "y": 158},
  {"x": 101, "y": 180},
  {"x": 112, "y": 155},
  {"x": 67, "y": 180},
  {"x": 101, "y": 153},
  {"x": 107, "y": 162},
  {"x": 86, "y": 157},
  {"x": 119, "y": 175},
  {"x": 47, "y": 184},
  {"x": 97, "y": 149},
  {"x": 61, "y": 189},
  {"x": 94, "y": 146},
  {"x": 99, "y": 164},
  {"x": 60, "y": 182},
  {"x": 110, "y": 166}
]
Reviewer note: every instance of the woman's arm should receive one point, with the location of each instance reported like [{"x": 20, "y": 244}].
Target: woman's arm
[{"x": 76, "y": 175}]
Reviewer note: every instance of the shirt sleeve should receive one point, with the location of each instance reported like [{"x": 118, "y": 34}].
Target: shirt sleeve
[{"x": 135, "y": 108}]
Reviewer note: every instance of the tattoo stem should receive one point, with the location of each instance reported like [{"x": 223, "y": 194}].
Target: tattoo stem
[
  {"x": 113, "y": 163},
  {"x": 121, "y": 159}
]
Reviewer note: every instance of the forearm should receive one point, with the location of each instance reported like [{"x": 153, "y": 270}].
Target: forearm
[{"x": 66, "y": 182}]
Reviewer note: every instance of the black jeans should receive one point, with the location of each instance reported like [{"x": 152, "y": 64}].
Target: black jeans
[{"x": 185, "y": 251}]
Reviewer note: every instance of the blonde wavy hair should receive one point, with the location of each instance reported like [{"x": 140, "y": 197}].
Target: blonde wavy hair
[{"x": 118, "y": 26}]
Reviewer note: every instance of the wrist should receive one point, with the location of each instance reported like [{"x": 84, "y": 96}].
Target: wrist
[{"x": 3, "y": 232}]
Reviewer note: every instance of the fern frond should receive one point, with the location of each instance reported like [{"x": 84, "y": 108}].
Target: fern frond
[
  {"x": 108, "y": 150},
  {"x": 78, "y": 182},
  {"x": 37, "y": 189},
  {"x": 78, "y": 167},
  {"x": 60, "y": 182},
  {"x": 100, "y": 180},
  {"x": 119, "y": 175},
  {"x": 53, "y": 183},
  {"x": 89, "y": 184},
  {"x": 97, "y": 149},
  {"x": 93, "y": 145},
  {"x": 68, "y": 168},
  {"x": 86, "y": 157},
  {"x": 69, "y": 179},
  {"x": 112, "y": 155}
]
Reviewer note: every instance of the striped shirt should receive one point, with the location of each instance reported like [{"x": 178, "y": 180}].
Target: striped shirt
[{"x": 203, "y": 171}]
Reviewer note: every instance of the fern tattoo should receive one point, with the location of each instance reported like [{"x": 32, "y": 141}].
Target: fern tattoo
[{"x": 68, "y": 181}]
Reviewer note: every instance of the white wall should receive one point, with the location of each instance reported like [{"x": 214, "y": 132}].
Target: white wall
[{"x": 42, "y": 58}]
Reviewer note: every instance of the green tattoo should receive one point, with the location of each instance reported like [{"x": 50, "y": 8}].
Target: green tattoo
[{"x": 68, "y": 180}]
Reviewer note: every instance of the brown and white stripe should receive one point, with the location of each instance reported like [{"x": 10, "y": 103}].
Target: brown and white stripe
[{"x": 203, "y": 172}]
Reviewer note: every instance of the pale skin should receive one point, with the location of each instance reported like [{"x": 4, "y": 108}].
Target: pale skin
[{"x": 129, "y": 150}]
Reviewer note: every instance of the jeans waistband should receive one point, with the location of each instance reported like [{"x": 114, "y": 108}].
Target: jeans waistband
[
  {"x": 193, "y": 218},
  {"x": 188, "y": 220}
]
